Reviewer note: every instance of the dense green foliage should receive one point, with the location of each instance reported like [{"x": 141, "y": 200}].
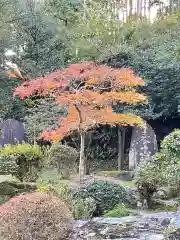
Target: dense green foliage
[
  {"x": 63, "y": 158},
  {"x": 152, "y": 50},
  {"x": 50, "y": 34},
  {"x": 22, "y": 161},
  {"x": 44, "y": 112},
  {"x": 106, "y": 195}
]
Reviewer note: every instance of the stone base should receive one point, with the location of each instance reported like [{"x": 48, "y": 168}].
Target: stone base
[{"x": 125, "y": 175}]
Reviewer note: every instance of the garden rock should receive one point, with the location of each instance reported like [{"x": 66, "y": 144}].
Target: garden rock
[
  {"x": 143, "y": 145},
  {"x": 12, "y": 132},
  {"x": 144, "y": 227}
]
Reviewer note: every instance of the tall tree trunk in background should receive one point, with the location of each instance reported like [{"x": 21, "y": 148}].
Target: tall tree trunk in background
[
  {"x": 82, "y": 156},
  {"x": 119, "y": 149},
  {"x": 139, "y": 7},
  {"x": 121, "y": 145},
  {"x": 85, "y": 9},
  {"x": 130, "y": 7}
]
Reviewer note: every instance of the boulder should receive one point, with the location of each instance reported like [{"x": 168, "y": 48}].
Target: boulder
[
  {"x": 143, "y": 145},
  {"x": 145, "y": 226},
  {"x": 166, "y": 193}
]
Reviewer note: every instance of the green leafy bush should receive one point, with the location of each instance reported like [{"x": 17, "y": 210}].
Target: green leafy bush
[
  {"x": 63, "y": 158},
  {"x": 168, "y": 158},
  {"x": 148, "y": 178},
  {"x": 80, "y": 208},
  {"x": 170, "y": 146},
  {"x": 120, "y": 210},
  {"x": 22, "y": 161},
  {"x": 150, "y": 175},
  {"x": 35, "y": 216},
  {"x": 105, "y": 193}
]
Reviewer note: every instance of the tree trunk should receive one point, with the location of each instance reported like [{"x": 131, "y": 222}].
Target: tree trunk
[
  {"x": 119, "y": 149},
  {"x": 121, "y": 145},
  {"x": 82, "y": 157},
  {"x": 88, "y": 157}
]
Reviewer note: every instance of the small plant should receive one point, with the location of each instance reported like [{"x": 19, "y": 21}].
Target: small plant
[
  {"x": 22, "y": 161},
  {"x": 83, "y": 208},
  {"x": 43, "y": 187},
  {"x": 35, "y": 216},
  {"x": 121, "y": 210},
  {"x": 106, "y": 195},
  {"x": 170, "y": 230}
]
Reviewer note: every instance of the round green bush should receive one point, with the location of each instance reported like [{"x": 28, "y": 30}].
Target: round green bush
[
  {"x": 105, "y": 193},
  {"x": 22, "y": 161}
]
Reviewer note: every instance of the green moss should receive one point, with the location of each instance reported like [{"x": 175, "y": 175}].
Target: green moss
[
  {"x": 3, "y": 199},
  {"x": 109, "y": 173},
  {"x": 119, "y": 211}
]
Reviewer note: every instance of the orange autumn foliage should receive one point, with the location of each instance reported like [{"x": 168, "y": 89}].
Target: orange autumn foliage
[{"x": 89, "y": 91}]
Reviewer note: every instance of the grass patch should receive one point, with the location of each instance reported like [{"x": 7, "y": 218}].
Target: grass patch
[
  {"x": 128, "y": 183},
  {"x": 108, "y": 173},
  {"x": 8, "y": 178},
  {"x": 119, "y": 211}
]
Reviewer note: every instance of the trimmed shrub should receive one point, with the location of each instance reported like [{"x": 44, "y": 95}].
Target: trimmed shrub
[
  {"x": 12, "y": 189},
  {"x": 22, "y": 161},
  {"x": 35, "y": 216},
  {"x": 105, "y": 193},
  {"x": 63, "y": 158}
]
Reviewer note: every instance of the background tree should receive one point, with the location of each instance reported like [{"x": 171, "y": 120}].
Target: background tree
[
  {"x": 152, "y": 51},
  {"x": 89, "y": 91}
]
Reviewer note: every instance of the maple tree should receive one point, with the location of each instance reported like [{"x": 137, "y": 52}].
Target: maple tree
[{"x": 89, "y": 91}]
